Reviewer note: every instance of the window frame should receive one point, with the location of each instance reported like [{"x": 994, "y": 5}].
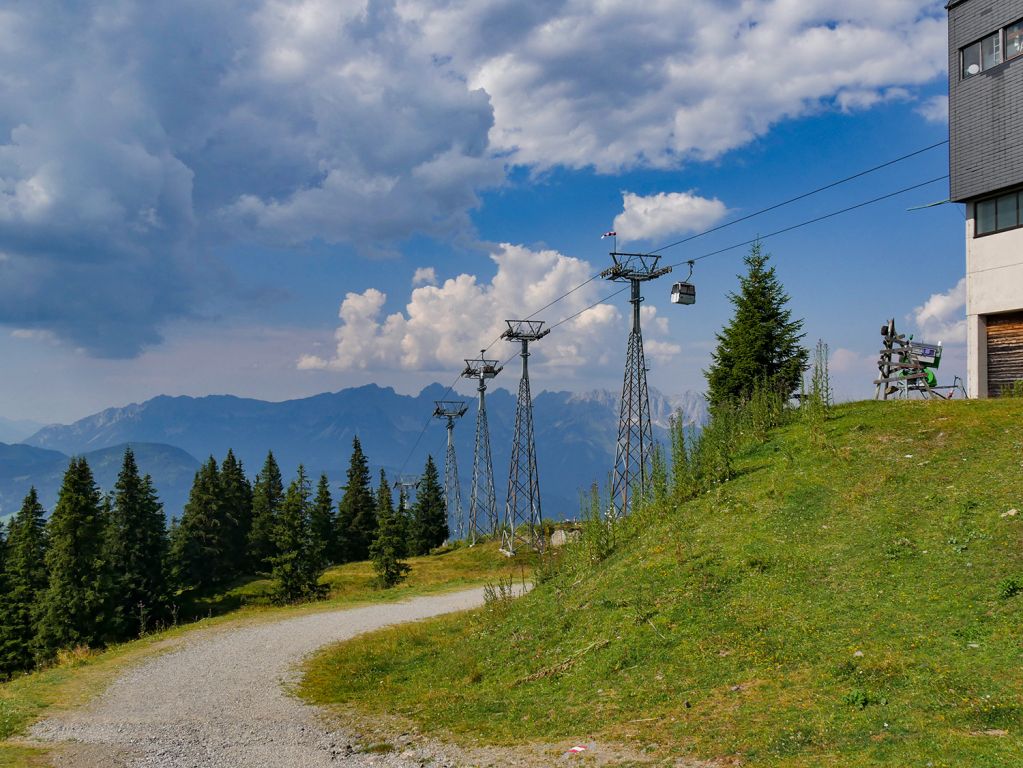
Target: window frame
[
  {"x": 1005, "y": 39},
  {"x": 1000, "y": 35},
  {"x": 1017, "y": 193}
]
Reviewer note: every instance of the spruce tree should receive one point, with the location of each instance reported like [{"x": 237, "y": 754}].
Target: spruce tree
[
  {"x": 761, "y": 345},
  {"x": 388, "y": 548},
  {"x": 404, "y": 521},
  {"x": 199, "y": 550},
  {"x": 323, "y": 521},
  {"x": 72, "y": 609},
  {"x": 296, "y": 566},
  {"x": 429, "y": 513},
  {"x": 267, "y": 494},
  {"x": 356, "y": 521},
  {"x": 236, "y": 501},
  {"x": 137, "y": 552}
]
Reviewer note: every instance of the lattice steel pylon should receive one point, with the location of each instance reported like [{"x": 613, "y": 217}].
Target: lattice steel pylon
[
  {"x": 452, "y": 410},
  {"x": 634, "y": 453},
  {"x": 483, "y": 498},
  {"x": 522, "y": 505}
]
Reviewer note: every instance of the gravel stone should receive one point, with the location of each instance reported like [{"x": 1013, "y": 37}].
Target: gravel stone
[{"x": 221, "y": 700}]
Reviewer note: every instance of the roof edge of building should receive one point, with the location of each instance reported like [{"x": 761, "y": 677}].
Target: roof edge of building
[{"x": 953, "y": 3}]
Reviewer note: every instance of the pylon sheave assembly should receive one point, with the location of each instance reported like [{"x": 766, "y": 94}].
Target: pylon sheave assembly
[
  {"x": 483, "y": 498},
  {"x": 522, "y": 516},
  {"x": 451, "y": 411},
  {"x": 634, "y": 452}
]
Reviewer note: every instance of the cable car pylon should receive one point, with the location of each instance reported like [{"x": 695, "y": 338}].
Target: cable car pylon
[
  {"x": 451, "y": 410},
  {"x": 483, "y": 499},
  {"x": 634, "y": 451},
  {"x": 522, "y": 506}
]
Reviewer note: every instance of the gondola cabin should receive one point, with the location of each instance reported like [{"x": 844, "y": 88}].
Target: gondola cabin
[{"x": 683, "y": 293}]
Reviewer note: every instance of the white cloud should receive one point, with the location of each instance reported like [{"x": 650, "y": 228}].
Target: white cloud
[
  {"x": 666, "y": 213},
  {"x": 165, "y": 134},
  {"x": 618, "y": 84},
  {"x": 844, "y": 360},
  {"x": 424, "y": 276},
  {"x": 935, "y": 109},
  {"x": 441, "y": 325},
  {"x": 943, "y": 316}
]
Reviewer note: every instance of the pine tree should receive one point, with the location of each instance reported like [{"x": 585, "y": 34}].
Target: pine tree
[
  {"x": 199, "y": 550},
  {"x": 236, "y": 501},
  {"x": 267, "y": 495},
  {"x": 388, "y": 548},
  {"x": 356, "y": 521},
  {"x": 761, "y": 345},
  {"x": 296, "y": 567},
  {"x": 72, "y": 609},
  {"x": 137, "y": 552},
  {"x": 429, "y": 514},
  {"x": 323, "y": 521},
  {"x": 404, "y": 521}
]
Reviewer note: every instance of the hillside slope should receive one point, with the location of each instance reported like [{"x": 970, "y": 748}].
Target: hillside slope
[{"x": 848, "y": 602}]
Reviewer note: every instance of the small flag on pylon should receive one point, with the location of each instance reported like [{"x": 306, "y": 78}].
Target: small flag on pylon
[{"x": 609, "y": 234}]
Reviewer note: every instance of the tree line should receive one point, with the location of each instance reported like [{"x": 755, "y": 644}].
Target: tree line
[{"x": 105, "y": 568}]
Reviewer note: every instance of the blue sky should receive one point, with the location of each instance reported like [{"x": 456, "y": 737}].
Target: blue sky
[{"x": 274, "y": 199}]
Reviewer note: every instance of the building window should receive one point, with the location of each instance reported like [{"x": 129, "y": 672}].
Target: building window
[
  {"x": 1013, "y": 40},
  {"x": 997, "y": 214},
  {"x": 982, "y": 55}
]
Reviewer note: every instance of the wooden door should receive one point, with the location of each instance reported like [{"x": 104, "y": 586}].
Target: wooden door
[{"x": 1004, "y": 352}]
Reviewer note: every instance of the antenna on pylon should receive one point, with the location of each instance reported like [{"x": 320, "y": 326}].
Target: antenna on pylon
[
  {"x": 523, "y": 501},
  {"x": 483, "y": 499},
  {"x": 634, "y": 453},
  {"x": 451, "y": 410}
]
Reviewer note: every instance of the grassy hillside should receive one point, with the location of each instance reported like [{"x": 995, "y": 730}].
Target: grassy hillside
[
  {"x": 848, "y": 599},
  {"x": 80, "y": 676}
]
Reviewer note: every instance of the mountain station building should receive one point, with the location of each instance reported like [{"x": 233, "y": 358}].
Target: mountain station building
[{"x": 985, "y": 88}]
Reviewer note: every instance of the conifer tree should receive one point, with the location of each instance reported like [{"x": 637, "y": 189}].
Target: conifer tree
[
  {"x": 137, "y": 551},
  {"x": 429, "y": 514},
  {"x": 199, "y": 550},
  {"x": 236, "y": 501},
  {"x": 24, "y": 582},
  {"x": 323, "y": 521},
  {"x": 73, "y": 608},
  {"x": 267, "y": 495},
  {"x": 404, "y": 521},
  {"x": 761, "y": 345},
  {"x": 356, "y": 521},
  {"x": 388, "y": 548},
  {"x": 296, "y": 567}
]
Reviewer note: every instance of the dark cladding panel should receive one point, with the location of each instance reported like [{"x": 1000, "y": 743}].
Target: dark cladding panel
[{"x": 986, "y": 110}]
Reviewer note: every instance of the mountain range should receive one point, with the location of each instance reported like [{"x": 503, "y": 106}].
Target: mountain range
[{"x": 575, "y": 439}]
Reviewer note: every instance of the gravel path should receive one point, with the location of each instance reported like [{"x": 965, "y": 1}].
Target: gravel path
[{"x": 219, "y": 701}]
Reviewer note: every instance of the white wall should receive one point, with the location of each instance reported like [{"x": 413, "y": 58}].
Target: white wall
[{"x": 994, "y": 283}]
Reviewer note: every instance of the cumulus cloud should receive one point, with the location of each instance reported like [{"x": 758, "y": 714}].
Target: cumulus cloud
[
  {"x": 943, "y": 316},
  {"x": 621, "y": 84},
  {"x": 666, "y": 213},
  {"x": 935, "y": 109},
  {"x": 136, "y": 138},
  {"x": 442, "y": 324},
  {"x": 424, "y": 276}
]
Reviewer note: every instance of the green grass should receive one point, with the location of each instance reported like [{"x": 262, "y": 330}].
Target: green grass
[
  {"x": 82, "y": 676},
  {"x": 842, "y": 605}
]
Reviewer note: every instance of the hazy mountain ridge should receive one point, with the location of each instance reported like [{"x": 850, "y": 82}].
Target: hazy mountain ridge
[
  {"x": 24, "y": 466},
  {"x": 16, "y": 430},
  {"x": 575, "y": 433}
]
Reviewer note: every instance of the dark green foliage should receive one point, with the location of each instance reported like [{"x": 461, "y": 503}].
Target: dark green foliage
[
  {"x": 24, "y": 581},
  {"x": 267, "y": 495},
  {"x": 324, "y": 521},
  {"x": 404, "y": 521},
  {"x": 356, "y": 518},
  {"x": 296, "y": 567},
  {"x": 137, "y": 555},
  {"x": 73, "y": 608},
  {"x": 199, "y": 548},
  {"x": 429, "y": 514},
  {"x": 236, "y": 503},
  {"x": 761, "y": 345},
  {"x": 389, "y": 546}
]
